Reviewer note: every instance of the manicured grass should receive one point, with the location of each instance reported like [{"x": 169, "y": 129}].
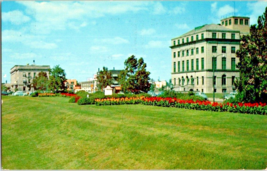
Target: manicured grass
[
  {"x": 50, "y": 133},
  {"x": 217, "y": 95}
]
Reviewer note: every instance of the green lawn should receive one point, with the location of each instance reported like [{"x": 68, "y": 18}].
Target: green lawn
[
  {"x": 217, "y": 95},
  {"x": 50, "y": 133}
]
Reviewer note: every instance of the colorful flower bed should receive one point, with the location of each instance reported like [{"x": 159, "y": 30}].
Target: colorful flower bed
[
  {"x": 252, "y": 108},
  {"x": 74, "y": 97},
  {"x": 46, "y": 95},
  {"x": 119, "y": 101}
]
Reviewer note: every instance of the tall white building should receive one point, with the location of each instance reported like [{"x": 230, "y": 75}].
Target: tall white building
[{"x": 207, "y": 50}]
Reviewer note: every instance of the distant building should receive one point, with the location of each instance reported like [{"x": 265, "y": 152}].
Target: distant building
[
  {"x": 89, "y": 86},
  {"x": 22, "y": 76},
  {"x": 70, "y": 84},
  {"x": 160, "y": 84},
  {"x": 198, "y": 52}
]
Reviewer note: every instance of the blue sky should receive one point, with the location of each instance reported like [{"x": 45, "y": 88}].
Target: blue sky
[{"x": 84, "y": 36}]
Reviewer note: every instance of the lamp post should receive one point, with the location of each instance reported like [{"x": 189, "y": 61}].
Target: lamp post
[{"x": 213, "y": 68}]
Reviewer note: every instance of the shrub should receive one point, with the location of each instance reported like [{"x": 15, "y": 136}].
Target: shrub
[
  {"x": 191, "y": 93},
  {"x": 72, "y": 100},
  {"x": 34, "y": 94},
  {"x": 84, "y": 101},
  {"x": 82, "y": 93}
]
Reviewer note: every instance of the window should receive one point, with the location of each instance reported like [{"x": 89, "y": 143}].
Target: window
[
  {"x": 174, "y": 81},
  {"x": 174, "y": 67},
  {"x": 183, "y": 66},
  {"x": 192, "y": 64},
  {"x": 202, "y": 49},
  {"x": 192, "y": 38},
  {"x": 223, "y": 49},
  {"x": 174, "y": 54},
  {"x": 214, "y": 35},
  {"x": 197, "y": 64},
  {"x": 183, "y": 41},
  {"x": 233, "y": 80},
  {"x": 187, "y": 39},
  {"x": 223, "y": 79},
  {"x": 236, "y": 21},
  {"x": 192, "y": 51},
  {"x": 196, "y": 37},
  {"x": 233, "y": 36},
  {"x": 226, "y": 23},
  {"x": 178, "y": 42},
  {"x": 202, "y": 36},
  {"x": 214, "y": 63},
  {"x": 182, "y": 80},
  {"x": 246, "y": 22},
  {"x": 196, "y": 50},
  {"x": 202, "y": 81},
  {"x": 230, "y": 21},
  {"x": 232, "y": 49},
  {"x": 178, "y": 53},
  {"x": 179, "y": 81},
  {"x": 183, "y": 53},
  {"x": 192, "y": 80},
  {"x": 214, "y": 80},
  {"x": 224, "y": 63},
  {"x": 202, "y": 63},
  {"x": 214, "y": 49},
  {"x": 178, "y": 66},
  {"x": 187, "y": 52},
  {"x": 187, "y": 65},
  {"x": 222, "y": 22},
  {"x": 197, "y": 80},
  {"x": 223, "y": 36},
  {"x": 174, "y": 42},
  {"x": 233, "y": 64},
  {"x": 241, "y": 21}
]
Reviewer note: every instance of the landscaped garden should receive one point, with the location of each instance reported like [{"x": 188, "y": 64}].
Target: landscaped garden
[{"x": 50, "y": 133}]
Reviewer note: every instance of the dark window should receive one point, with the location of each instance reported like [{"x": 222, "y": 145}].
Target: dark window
[
  {"x": 174, "y": 67},
  {"x": 183, "y": 66},
  {"x": 214, "y": 63},
  {"x": 192, "y": 38},
  {"x": 182, "y": 40},
  {"x": 246, "y": 22},
  {"x": 236, "y": 21},
  {"x": 233, "y": 36},
  {"x": 232, "y": 49},
  {"x": 174, "y": 81},
  {"x": 178, "y": 42},
  {"x": 174, "y": 42},
  {"x": 214, "y": 49},
  {"x": 183, "y": 80},
  {"x": 197, "y": 64},
  {"x": 241, "y": 21},
  {"x": 174, "y": 54},
  {"x": 178, "y": 66},
  {"x": 192, "y": 64},
  {"x": 192, "y": 80},
  {"x": 183, "y": 53},
  {"x": 222, "y": 22},
  {"x": 202, "y": 49},
  {"x": 224, "y": 63},
  {"x": 187, "y": 52},
  {"x": 187, "y": 39},
  {"x": 226, "y": 23},
  {"x": 202, "y": 36},
  {"x": 223, "y": 35},
  {"x": 196, "y": 37},
  {"x": 224, "y": 80},
  {"x": 196, "y": 50},
  {"x": 192, "y": 51},
  {"x": 187, "y": 65},
  {"x": 233, "y": 80},
  {"x": 202, "y": 63},
  {"x": 214, "y": 80},
  {"x": 233, "y": 64},
  {"x": 214, "y": 35},
  {"x": 179, "y": 54},
  {"x": 230, "y": 21},
  {"x": 202, "y": 81},
  {"x": 223, "y": 49}
]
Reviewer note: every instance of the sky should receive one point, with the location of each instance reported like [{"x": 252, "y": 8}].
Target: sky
[{"x": 83, "y": 36}]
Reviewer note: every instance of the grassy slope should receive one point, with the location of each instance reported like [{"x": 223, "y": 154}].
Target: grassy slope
[{"x": 49, "y": 133}]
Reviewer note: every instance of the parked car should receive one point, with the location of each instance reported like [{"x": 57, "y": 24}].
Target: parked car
[
  {"x": 200, "y": 94},
  {"x": 19, "y": 93},
  {"x": 230, "y": 95},
  {"x": 4, "y": 93}
]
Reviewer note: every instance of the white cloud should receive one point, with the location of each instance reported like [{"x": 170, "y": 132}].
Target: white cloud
[
  {"x": 213, "y": 7},
  {"x": 147, "y": 32},
  {"x": 98, "y": 49},
  {"x": 159, "y": 8},
  {"x": 117, "y": 56},
  {"x": 225, "y": 10},
  {"x": 15, "y": 17},
  {"x": 33, "y": 41},
  {"x": 257, "y": 9},
  {"x": 24, "y": 56},
  {"x": 182, "y": 26},
  {"x": 222, "y": 12},
  {"x": 114, "y": 41},
  {"x": 156, "y": 44},
  {"x": 179, "y": 9}
]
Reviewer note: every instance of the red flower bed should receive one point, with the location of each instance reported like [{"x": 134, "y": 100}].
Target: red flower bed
[{"x": 71, "y": 95}]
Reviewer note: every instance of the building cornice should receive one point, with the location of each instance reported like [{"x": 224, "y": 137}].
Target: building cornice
[{"x": 206, "y": 70}]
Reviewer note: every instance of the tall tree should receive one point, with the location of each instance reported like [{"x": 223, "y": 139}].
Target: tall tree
[
  {"x": 252, "y": 85},
  {"x": 57, "y": 78},
  {"x": 41, "y": 81},
  {"x": 134, "y": 77},
  {"x": 104, "y": 78}
]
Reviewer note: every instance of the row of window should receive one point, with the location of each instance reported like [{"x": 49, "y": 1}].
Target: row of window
[
  {"x": 241, "y": 21},
  {"x": 181, "y": 81},
  {"x": 214, "y": 35},
  {"x": 191, "y": 52},
  {"x": 214, "y": 64}
]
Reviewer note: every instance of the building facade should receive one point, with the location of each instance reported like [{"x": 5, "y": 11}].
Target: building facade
[
  {"x": 22, "y": 76},
  {"x": 204, "y": 59},
  {"x": 89, "y": 86},
  {"x": 70, "y": 84}
]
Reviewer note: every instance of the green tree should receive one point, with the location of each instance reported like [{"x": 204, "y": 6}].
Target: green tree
[
  {"x": 252, "y": 85},
  {"x": 104, "y": 78},
  {"x": 134, "y": 77},
  {"x": 3, "y": 87},
  {"x": 57, "y": 78},
  {"x": 41, "y": 81}
]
